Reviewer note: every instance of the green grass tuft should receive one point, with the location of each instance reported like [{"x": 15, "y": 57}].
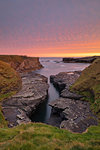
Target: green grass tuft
[{"x": 39, "y": 136}]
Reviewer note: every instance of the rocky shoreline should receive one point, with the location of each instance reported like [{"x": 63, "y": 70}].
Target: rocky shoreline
[
  {"x": 69, "y": 111},
  {"x": 80, "y": 60},
  {"x": 19, "y": 107}
]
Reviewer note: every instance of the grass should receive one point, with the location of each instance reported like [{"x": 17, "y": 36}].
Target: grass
[
  {"x": 39, "y": 136},
  {"x": 88, "y": 84},
  {"x": 10, "y": 83},
  {"x": 3, "y": 122}
]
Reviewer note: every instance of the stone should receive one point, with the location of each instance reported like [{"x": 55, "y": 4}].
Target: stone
[
  {"x": 67, "y": 94},
  {"x": 18, "y": 108},
  {"x": 74, "y": 114}
]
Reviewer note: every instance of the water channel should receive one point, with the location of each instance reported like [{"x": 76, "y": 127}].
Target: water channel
[{"x": 52, "y": 66}]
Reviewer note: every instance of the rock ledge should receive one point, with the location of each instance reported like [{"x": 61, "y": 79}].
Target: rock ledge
[
  {"x": 73, "y": 113},
  {"x": 19, "y": 107}
]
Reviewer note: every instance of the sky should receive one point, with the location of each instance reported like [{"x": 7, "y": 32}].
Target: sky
[{"x": 50, "y": 27}]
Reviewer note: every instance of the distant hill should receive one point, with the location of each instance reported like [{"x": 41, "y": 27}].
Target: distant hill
[{"x": 80, "y": 60}]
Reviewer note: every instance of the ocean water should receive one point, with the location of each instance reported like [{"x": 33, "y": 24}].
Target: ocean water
[{"x": 53, "y": 66}]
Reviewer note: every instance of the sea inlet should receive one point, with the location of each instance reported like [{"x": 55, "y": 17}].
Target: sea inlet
[{"x": 52, "y": 66}]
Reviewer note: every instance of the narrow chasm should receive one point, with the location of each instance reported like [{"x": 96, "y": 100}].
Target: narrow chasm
[{"x": 43, "y": 111}]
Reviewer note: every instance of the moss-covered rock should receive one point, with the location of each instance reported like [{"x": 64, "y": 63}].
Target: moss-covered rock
[
  {"x": 88, "y": 84},
  {"x": 10, "y": 81}
]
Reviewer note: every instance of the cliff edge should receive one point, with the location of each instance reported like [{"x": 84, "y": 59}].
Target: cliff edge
[{"x": 22, "y": 63}]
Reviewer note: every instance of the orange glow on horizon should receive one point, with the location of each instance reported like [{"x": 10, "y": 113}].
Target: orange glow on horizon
[{"x": 66, "y": 55}]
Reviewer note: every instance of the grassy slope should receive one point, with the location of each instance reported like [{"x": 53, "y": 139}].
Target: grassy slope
[
  {"x": 39, "y": 136},
  {"x": 10, "y": 83},
  {"x": 88, "y": 84}
]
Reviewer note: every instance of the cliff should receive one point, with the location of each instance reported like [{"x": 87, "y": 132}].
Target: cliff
[
  {"x": 80, "y": 60},
  {"x": 88, "y": 85},
  {"x": 22, "y": 63},
  {"x": 71, "y": 112}
]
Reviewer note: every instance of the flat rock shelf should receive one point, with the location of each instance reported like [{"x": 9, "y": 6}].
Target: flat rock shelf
[{"x": 19, "y": 107}]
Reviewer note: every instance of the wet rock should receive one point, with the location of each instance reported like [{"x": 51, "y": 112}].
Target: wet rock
[
  {"x": 55, "y": 120},
  {"x": 75, "y": 114},
  {"x": 63, "y": 81},
  {"x": 18, "y": 108},
  {"x": 67, "y": 94}
]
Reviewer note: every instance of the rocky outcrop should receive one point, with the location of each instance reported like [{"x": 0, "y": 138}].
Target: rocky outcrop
[
  {"x": 29, "y": 64},
  {"x": 80, "y": 60},
  {"x": 19, "y": 107},
  {"x": 22, "y": 63},
  {"x": 64, "y": 80},
  {"x": 75, "y": 114}
]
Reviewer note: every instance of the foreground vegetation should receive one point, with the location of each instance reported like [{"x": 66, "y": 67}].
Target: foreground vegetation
[
  {"x": 10, "y": 81},
  {"x": 38, "y": 136},
  {"x": 88, "y": 84}
]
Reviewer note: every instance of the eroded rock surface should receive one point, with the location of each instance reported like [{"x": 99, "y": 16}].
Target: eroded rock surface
[
  {"x": 18, "y": 108},
  {"x": 75, "y": 114}
]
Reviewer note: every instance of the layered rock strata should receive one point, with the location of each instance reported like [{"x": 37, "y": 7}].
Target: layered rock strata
[
  {"x": 19, "y": 107},
  {"x": 75, "y": 114},
  {"x": 22, "y": 63}
]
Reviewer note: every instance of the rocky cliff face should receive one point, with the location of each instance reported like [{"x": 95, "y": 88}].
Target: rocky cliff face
[
  {"x": 22, "y": 63},
  {"x": 75, "y": 114},
  {"x": 18, "y": 108},
  {"x": 27, "y": 65}
]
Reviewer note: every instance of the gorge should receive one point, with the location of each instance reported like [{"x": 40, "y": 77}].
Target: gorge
[{"x": 25, "y": 100}]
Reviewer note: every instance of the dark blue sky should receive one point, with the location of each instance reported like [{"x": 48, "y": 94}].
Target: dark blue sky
[{"x": 49, "y": 27}]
